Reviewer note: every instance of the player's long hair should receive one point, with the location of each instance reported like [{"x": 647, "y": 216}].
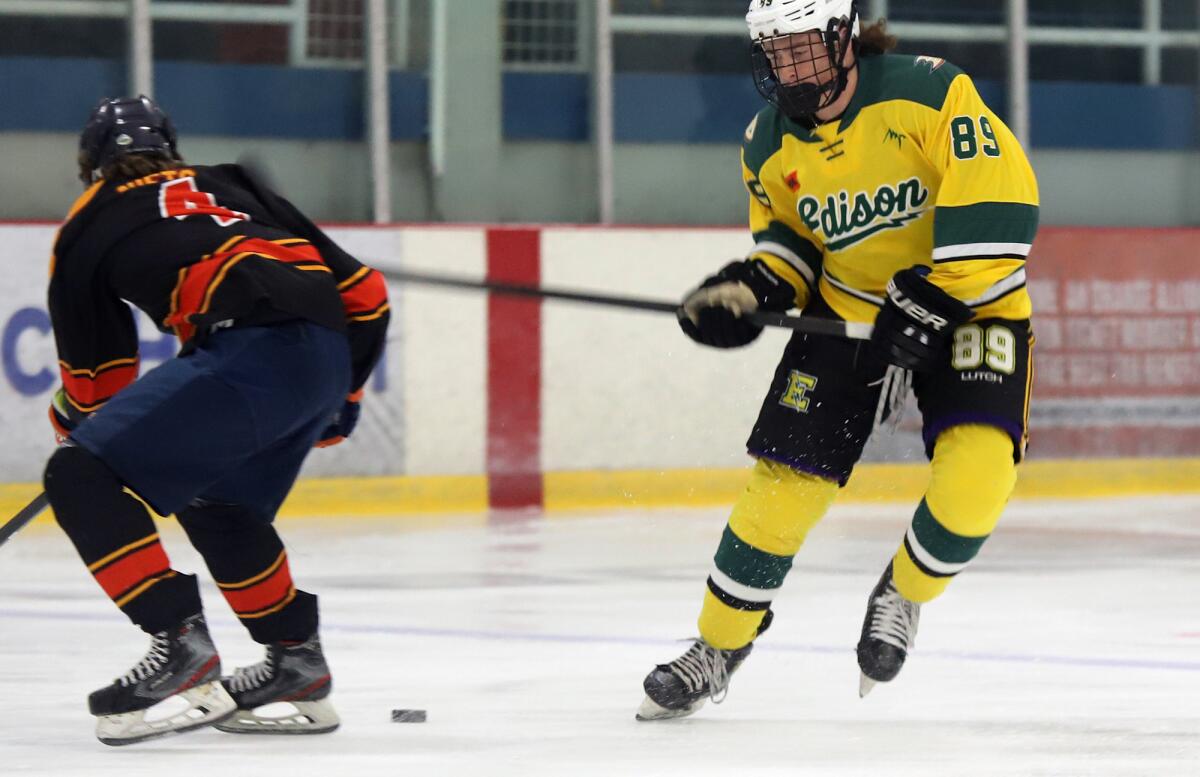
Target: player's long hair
[
  {"x": 129, "y": 166},
  {"x": 874, "y": 39}
]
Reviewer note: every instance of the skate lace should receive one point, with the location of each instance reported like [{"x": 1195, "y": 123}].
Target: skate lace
[
  {"x": 155, "y": 659},
  {"x": 894, "y": 619},
  {"x": 703, "y": 665},
  {"x": 896, "y": 382},
  {"x": 250, "y": 677}
]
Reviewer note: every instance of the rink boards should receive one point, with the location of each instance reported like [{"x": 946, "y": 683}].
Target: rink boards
[{"x": 487, "y": 400}]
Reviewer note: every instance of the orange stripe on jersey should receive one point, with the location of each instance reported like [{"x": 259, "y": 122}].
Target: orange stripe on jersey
[
  {"x": 197, "y": 284},
  {"x": 269, "y": 588},
  {"x": 282, "y": 251},
  {"x": 221, "y": 273},
  {"x": 372, "y": 315},
  {"x": 190, "y": 291},
  {"x": 133, "y": 569},
  {"x": 183, "y": 330},
  {"x": 355, "y": 278},
  {"x": 83, "y": 200},
  {"x": 229, "y": 244},
  {"x": 78, "y": 205},
  {"x": 365, "y": 294},
  {"x": 88, "y": 389}
]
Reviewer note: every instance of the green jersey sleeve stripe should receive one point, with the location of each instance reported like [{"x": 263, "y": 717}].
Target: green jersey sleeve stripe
[
  {"x": 1001, "y": 228},
  {"x": 802, "y": 250},
  {"x": 789, "y": 256}
]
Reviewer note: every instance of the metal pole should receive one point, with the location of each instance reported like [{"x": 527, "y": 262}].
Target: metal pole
[
  {"x": 1018, "y": 70},
  {"x": 298, "y": 32},
  {"x": 403, "y": 18},
  {"x": 603, "y": 110},
  {"x": 879, "y": 9},
  {"x": 141, "y": 49},
  {"x": 1152, "y": 54},
  {"x": 437, "y": 91},
  {"x": 378, "y": 117}
]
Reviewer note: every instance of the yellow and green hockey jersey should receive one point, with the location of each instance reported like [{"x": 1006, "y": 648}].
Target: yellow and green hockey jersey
[{"x": 918, "y": 171}]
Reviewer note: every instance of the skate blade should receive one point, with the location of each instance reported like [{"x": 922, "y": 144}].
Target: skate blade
[
  {"x": 208, "y": 704},
  {"x": 293, "y": 718},
  {"x": 651, "y": 710},
  {"x": 865, "y": 684}
]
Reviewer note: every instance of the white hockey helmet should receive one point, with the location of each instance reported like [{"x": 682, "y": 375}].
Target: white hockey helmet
[
  {"x": 769, "y": 18},
  {"x": 780, "y": 26}
]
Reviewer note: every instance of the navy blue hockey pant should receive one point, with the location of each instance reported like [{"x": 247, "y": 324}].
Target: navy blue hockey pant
[{"x": 216, "y": 437}]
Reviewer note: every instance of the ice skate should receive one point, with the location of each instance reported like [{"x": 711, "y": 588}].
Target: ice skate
[
  {"x": 182, "y": 664},
  {"x": 286, "y": 693},
  {"x": 888, "y": 633},
  {"x": 681, "y": 687}
]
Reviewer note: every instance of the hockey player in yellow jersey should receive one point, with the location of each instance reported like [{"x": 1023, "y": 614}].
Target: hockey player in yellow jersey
[{"x": 882, "y": 190}]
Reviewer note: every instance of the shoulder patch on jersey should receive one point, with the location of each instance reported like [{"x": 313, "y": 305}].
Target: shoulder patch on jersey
[
  {"x": 749, "y": 136},
  {"x": 925, "y": 80},
  {"x": 763, "y": 138},
  {"x": 932, "y": 62}
]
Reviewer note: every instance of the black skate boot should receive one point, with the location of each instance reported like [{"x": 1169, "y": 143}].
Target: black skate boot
[
  {"x": 292, "y": 673},
  {"x": 681, "y": 687},
  {"x": 888, "y": 633},
  {"x": 181, "y": 662}
]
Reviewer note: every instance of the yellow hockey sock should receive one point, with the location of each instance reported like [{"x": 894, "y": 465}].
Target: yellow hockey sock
[
  {"x": 766, "y": 528},
  {"x": 973, "y": 476}
]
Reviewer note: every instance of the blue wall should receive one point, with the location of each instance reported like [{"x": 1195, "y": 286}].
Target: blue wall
[
  {"x": 314, "y": 103},
  {"x": 239, "y": 100}
]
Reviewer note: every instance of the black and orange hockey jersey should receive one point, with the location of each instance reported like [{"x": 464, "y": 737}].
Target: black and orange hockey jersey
[{"x": 196, "y": 249}]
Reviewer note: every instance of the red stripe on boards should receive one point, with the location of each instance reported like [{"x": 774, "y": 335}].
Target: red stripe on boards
[{"x": 514, "y": 376}]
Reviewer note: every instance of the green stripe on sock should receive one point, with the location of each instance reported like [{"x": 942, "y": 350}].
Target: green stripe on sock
[
  {"x": 748, "y": 565},
  {"x": 940, "y": 542}
]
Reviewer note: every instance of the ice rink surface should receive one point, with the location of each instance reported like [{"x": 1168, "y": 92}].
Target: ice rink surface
[{"x": 1071, "y": 647}]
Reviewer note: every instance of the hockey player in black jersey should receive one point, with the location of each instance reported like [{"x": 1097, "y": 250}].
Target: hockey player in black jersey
[{"x": 279, "y": 330}]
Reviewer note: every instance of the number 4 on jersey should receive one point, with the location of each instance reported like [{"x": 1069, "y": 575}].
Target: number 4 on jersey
[{"x": 181, "y": 198}]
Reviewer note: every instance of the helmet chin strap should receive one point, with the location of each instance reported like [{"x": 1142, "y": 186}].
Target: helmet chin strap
[{"x": 835, "y": 86}]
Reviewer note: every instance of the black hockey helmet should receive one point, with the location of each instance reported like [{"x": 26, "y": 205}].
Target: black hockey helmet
[{"x": 124, "y": 125}]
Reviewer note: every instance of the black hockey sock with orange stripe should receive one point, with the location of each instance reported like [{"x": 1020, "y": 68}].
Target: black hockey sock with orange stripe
[
  {"x": 250, "y": 565},
  {"x": 117, "y": 539}
]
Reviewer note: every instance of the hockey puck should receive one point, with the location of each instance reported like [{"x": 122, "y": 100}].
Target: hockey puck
[{"x": 408, "y": 716}]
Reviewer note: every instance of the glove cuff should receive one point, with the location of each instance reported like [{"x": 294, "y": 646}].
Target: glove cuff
[
  {"x": 773, "y": 292},
  {"x": 920, "y": 299}
]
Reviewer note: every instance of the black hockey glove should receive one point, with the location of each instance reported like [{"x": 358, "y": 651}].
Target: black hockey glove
[
  {"x": 916, "y": 320},
  {"x": 712, "y": 314},
  {"x": 343, "y": 422}
]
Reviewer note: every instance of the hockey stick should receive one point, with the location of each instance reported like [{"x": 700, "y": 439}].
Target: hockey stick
[
  {"x": 816, "y": 326},
  {"x": 27, "y": 514}
]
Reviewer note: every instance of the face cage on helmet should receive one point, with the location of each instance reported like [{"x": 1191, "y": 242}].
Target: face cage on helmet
[{"x": 803, "y": 100}]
